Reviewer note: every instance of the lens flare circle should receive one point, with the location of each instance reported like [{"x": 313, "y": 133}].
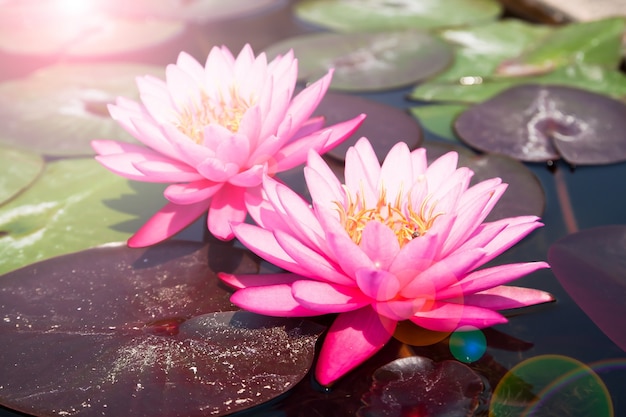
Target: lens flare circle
[{"x": 467, "y": 344}]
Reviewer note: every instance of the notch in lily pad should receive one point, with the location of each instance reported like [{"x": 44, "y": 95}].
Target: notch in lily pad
[
  {"x": 143, "y": 332},
  {"x": 538, "y": 123},
  {"x": 367, "y": 61}
]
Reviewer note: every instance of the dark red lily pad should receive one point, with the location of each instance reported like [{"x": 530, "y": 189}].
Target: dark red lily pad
[
  {"x": 384, "y": 125},
  {"x": 591, "y": 266},
  {"x": 417, "y": 386},
  {"x": 524, "y": 195},
  {"x": 143, "y": 332},
  {"x": 537, "y": 123},
  {"x": 367, "y": 61}
]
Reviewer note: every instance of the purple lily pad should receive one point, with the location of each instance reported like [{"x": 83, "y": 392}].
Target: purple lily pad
[
  {"x": 367, "y": 61},
  {"x": 417, "y": 386},
  {"x": 591, "y": 266},
  {"x": 537, "y": 123},
  {"x": 142, "y": 332},
  {"x": 524, "y": 195},
  {"x": 384, "y": 125}
]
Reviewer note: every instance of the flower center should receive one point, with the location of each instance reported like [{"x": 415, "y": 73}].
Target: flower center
[
  {"x": 225, "y": 111},
  {"x": 399, "y": 215}
]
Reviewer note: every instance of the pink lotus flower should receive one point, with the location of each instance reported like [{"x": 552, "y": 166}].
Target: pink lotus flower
[
  {"x": 213, "y": 132},
  {"x": 401, "y": 241}
]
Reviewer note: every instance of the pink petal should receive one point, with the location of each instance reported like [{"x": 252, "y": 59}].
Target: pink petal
[
  {"x": 250, "y": 126},
  {"x": 362, "y": 170},
  {"x": 353, "y": 338},
  {"x": 167, "y": 170},
  {"x": 168, "y": 221},
  {"x": 399, "y": 309},
  {"x": 377, "y": 284},
  {"x": 322, "y": 183},
  {"x": 442, "y": 274},
  {"x": 193, "y": 192},
  {"x": 490, "y": 277},
  {"x": 251, "y": 177},
  {"x": 240, "y": 281},
  {"x": 506, "y": 297},
  {"x": 328, "y": 298},
  {"x": 271, "y": 300},
  {"x": 380, "y": 244},
  {"x": 447, "y": 317},
  {"x": 441, "y": 169},
  {"x": 295, "y": 153},
  {"x": 184, "y": 91},
  {"x": 395, "y": 173},
  {"x": 318, "y": 266},
  {"x": 415, "y": 257},
  {"x": 309, "y": 127},
  {"x": 192, "y": 67},
  {"x": 419, "y": 163},
  {"x": 217, "y": 170},
  {"x": 227, "y": 206},
  {"x": 347, "y": 254},
  {"x": 263, "y": 243}
]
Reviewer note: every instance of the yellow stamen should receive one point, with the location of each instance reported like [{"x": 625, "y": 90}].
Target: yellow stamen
[
  {"x": 405, "y": 222},
  {"x": 225, "y": 112}
]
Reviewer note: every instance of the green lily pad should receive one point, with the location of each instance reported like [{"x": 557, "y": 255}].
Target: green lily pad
[
  {"x": 591, "y": 78},
  {"x": 18, "y": 169},
  {"x": 76, "y": 204},
  {"x": 51, "y": 28},
  {"x": 438, "y": 118},
  {"x": 58, "y": 110},
  {"x": 190, "y": 10},
  {"x": 364, "y": 15},
  {"x": 593, "y": 43},
  {"x": 480, "y": 49},
  {"x": 367, "y": 61}
]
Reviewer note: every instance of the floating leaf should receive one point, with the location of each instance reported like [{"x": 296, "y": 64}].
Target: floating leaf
[
  {"x": 60, "y": 109},
  {"x": 364, "y": 15},
  {"x": 190, "y": 10},
  {"x": 417, "y": 386},
  {"x": 591, "y": 78},
  {"x": 593, "y": 43},
  {"x": 47, "y": 28},
  {"x": 481, "y": 48},
  {"x": 591, "y": 266},
  {"x": 524, "y": 195},
  {"x": 438, "y": 118},
  {"x": 367, "y": 61},
  {"x": 143, "y": 332},
  {"x": 540, "y": 123},
  {"x": 384, "y": 125},
  {"x": 18, "y": 169},
  {"x": 75, "y": 204}
]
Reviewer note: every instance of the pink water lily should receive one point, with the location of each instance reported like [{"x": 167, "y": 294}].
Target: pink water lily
[
  {"x": 212, "y": 132},
  {"x": 401, "y": 241}
]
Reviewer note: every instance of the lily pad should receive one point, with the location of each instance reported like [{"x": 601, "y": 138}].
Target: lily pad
[
  {"x": 524, "y": 195},
  {"x": 199, "y": 11},
  {"x": 367, "y": 15},
  {"x": 367, "y": 61},
  {"x": 49, "y": 29},
  {"x": 481, "y": 48},
  {"x": 539, "y": 123},
  {"x": 60, "y": 109},
  {"x": 438, "y": 118},
  {"x": 600, "y": 80},
  {"x": 18, "y": 169},
  {"x": 384, "y": 125},
  {"x": 418, "y": 386},
  {"x": 142, "y": 332},
  {"x": 594, "y": 43},
  {"x": 75, "y": 204},
  {"x": 591, "y": 266}
]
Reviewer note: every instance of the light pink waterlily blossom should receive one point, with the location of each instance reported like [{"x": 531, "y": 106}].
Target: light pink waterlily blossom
[
  {"x": 399, "y": 241},
  {"x": 213, "y": 132}
]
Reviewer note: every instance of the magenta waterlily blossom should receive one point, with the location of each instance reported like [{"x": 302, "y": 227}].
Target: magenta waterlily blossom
[
  {"x": 213, "y": 131},
  {"x": 399, "y": 241}
]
